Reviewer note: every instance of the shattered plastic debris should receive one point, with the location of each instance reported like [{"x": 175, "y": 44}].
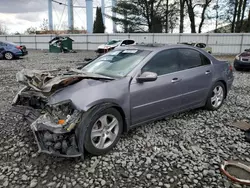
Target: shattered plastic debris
[{"x": 63, "y": 144}]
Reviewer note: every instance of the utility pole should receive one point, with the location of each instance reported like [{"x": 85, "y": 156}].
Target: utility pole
[
  {"x": 50, "y": 15},
  {"x": 70, "y": 15},
  {"x": 103, "y": 11},
  {"x": 89, "y": 12}
]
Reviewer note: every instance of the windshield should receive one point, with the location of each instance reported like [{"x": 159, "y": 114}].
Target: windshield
[
  {"x": 117, "y": 63},
  {"x": 112, "y": 42}
]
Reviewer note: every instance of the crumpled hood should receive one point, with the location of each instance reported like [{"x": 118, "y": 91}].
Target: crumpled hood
[
  {"x": 89, "y": 92},
  {"x": 49, "y": 81}
]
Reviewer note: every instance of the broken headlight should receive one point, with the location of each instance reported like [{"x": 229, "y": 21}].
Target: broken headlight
[{"x": 64, "y": 114}]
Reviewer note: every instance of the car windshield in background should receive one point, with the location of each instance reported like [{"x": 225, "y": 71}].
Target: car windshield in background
[
  {"x": 113, "y": 42},
  {"x": 117, "y": 63}
]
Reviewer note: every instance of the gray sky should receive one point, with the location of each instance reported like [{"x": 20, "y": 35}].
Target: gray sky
[{"x": 18, "y": 15}]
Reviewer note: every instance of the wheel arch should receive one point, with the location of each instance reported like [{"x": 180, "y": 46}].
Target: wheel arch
[
  {"x": 7, "y": 51},
  {"x": 81, "y": 129},
  {"x": 118, "y": 108},
  {"x": 225, "y": 86}
]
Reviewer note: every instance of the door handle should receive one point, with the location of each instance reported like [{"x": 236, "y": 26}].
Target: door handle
[
  {"x": 174, "y": 80},
  {"x": 208, "y": 72}
]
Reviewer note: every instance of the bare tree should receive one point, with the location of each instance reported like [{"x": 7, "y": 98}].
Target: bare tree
[
  {"x": 182, "y": 15},
  {"x": 204, "y": 8},
  {"x": 191, "y": 14},
  {"x": 30, "y": 30},
  {"x": 45, "y": 25},
  {"x": 3, "y": 29}
]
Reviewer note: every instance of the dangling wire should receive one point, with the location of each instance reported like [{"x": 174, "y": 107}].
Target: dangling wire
[
  {"x": 53, "y": 8},
  {"x": 60, "y": 23},
  {"x": 75, "y": 11}
]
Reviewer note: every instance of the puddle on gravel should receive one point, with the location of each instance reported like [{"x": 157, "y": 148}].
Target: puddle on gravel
[{"x": 238, "y": 172}]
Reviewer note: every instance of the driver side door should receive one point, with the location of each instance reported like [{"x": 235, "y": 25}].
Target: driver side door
[{"x": 151, "y": 100}]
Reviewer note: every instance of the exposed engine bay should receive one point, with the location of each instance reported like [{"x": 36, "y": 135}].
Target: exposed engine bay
[{"x": 52, "y": 124}]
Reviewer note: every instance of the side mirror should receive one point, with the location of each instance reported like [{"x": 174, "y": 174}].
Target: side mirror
[
  {"x": 123, "y": 44},
  {"x": 147, "y": 77}
]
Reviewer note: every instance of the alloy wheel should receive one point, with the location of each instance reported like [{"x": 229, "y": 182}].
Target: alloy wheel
[
  {"x": 105, "y": 131},
  {"x": 8, "y": 55},
  {"x": 217, "y": 97}
]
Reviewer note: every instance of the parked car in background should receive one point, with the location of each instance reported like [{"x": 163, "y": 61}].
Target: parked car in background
[
  {"x": 112, "y": 44},
  {"x": 203, "y": 46},
  {"x": 10, "y": 50},
  {"x": 242, "y": 60},
  {"x": 89, "y": 109}
]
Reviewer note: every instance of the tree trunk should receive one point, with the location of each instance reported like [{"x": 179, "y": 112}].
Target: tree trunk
[
  {"x": 248, "y": 23},
  {"x": 242, "y": 14},
  {"x": 191, "y": 15},
  {"x": 234, "y": 16},
  {"x": 238, "y": 17},
  {"x": 203, "y": 15},
  {"x": 152, "y": 16},
  {"x": 126, "y": 29},
  {"x": 182, "y": 6},
  {"x": 166, "y": 26}
]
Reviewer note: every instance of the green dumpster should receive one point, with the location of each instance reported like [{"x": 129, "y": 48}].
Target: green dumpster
[{"x": 60, "y": 44}]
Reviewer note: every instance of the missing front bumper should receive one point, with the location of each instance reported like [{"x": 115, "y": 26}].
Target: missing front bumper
[{"x": 56, "y": 144}]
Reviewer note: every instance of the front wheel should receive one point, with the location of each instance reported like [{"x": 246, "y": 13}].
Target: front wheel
[
  {"x": 104, "y": 131},
  {"x": 8, "y": 56},
  {"x": 216, "y": 96}
]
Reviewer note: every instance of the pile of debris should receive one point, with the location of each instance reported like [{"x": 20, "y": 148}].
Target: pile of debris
[{"x": 62, "y": 144}]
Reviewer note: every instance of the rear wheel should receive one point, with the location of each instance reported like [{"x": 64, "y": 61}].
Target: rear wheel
[
  {"x": 8, "y": 56},
  {"x": 238, "y": 69},
  {"x": 216, "y": 96},
  {"x": 104, "y": 131}
]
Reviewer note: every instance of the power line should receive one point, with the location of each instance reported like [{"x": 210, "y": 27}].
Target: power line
[
  {"x": 60, "y": 23},
  {"x": 60, "y": 3}
]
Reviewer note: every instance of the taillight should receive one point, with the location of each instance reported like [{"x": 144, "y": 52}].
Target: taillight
[
  {"x": 230, "y": 67},
  {"x": 19, "y": 47}
]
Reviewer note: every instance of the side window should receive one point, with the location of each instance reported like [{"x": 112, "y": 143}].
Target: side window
[
  {"x": 189, "y": 59},
  {"x": 163, "y": 62},
  {"x": 125, "y": 42},
  {"x": 1, "y": 44},
  {"x": 205, "y": 60},
  {"x": 131, "y": 42}
]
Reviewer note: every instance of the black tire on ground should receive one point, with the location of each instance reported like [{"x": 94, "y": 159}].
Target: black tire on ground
[
  {"x": 237, "y": 69},
  {"x": 209, "y": 105},
  {"x": 8, "y": 55},
  {"x": 91, "y": 120}
]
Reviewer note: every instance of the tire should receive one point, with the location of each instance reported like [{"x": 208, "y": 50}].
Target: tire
[
  {"x": 8, "y": 55},
  {"x": 211, "y": 103},
  {"x": 92, "y": 143},
  {"x": 237, "y": 69}
]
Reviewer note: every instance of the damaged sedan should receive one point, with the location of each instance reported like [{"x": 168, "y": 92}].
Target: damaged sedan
[{"x": 88, "y": 109}]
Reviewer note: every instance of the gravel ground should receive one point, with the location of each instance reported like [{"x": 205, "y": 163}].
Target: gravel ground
[{"x": 182, "y": 151}]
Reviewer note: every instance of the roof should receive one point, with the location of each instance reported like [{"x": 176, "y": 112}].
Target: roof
[
  {"x": 9, "y": 42},
  {"x": 155, "y": 46}
]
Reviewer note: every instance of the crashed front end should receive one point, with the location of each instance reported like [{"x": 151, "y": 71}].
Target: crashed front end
[{"x": 54, "y": 126}]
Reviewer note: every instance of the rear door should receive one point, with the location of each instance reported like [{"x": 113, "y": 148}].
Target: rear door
[
  {"x": 150, "y": 100},
  {"x": 196, "y": 77}
]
